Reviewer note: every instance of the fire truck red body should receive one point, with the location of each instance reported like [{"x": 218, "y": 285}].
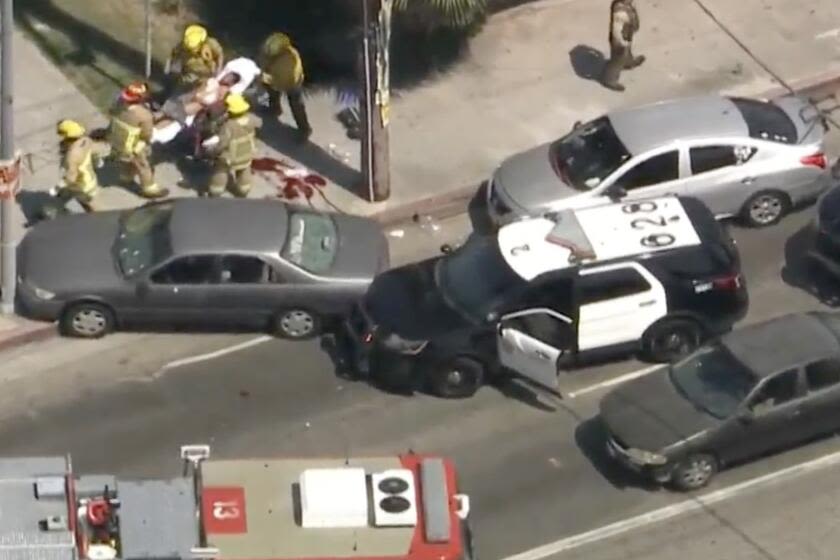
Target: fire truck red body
[{"x": 399, "y": 507}]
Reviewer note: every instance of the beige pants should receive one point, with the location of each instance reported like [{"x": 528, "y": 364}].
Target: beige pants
[
  {"x": 139, "y": 166},
  {"x": 85, "y": 200},
  {"x": 221, "y": 178}
]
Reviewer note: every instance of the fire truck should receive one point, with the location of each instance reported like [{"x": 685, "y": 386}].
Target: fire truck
[{"x": 397, "y": 507}]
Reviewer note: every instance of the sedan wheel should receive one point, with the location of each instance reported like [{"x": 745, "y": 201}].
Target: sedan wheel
[
  {"x": 297, "y": 324},
  {"x": 695, "y": 472},
  {"x": 87, "y": 320},
  {"x": 765, "y": 208}
]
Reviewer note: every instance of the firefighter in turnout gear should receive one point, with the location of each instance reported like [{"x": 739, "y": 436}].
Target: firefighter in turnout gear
[
  {"x": 80, "y": 155},
  {"x": 624, "y": 24},
  {"x": 197, "y": 58},
  {"x": 130, "y": 136},
  {"x": 283, "y": 74},
  {"x": 235, "y": 148}
]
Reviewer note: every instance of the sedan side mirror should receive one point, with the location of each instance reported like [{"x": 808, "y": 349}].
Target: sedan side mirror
[{"x": 616, "y": 193}]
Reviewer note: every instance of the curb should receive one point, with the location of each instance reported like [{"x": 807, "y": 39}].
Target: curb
[
  {"x": 27, "y": 334},
  {"x": 454, "y": 202}
]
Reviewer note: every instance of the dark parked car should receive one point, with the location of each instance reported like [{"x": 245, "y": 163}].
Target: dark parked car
[
  {"x": 826, "y": 249},
  {"x": 759, "y": 389},
  {"x": 245, "y": 264}
]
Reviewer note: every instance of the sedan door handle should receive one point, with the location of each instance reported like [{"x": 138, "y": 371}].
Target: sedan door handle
[
  {"x": 542, "y": 355},
  {"x": 796, "y": 412},
  {"x": 748, "y": 180},
  {"x": 647, "y": 303}
]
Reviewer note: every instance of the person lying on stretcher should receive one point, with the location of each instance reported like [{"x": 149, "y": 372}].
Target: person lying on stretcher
[{"x": 201, "y": 110}]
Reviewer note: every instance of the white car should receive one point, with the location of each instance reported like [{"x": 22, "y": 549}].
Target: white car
[{"x": 741, "y": 157}]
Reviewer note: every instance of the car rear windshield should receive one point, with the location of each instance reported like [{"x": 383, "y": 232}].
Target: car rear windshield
[
  {"x": 143, "y": 240},
  {"x": 766, "y": 120},
  {"x": 589, "y": 154},
  {"x": 312, "y": 242},
  {"x": 717, "y": 253},
  {"x": 713, "y": 380},
  {"x": 475, "y": 278}
]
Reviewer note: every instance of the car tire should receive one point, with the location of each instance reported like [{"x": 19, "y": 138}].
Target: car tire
[
  {"x": 459, "y": 378},
  {"x": 297, "y": 324},
  {"x": 694, "y": 472},
  {"x": 671, "y": 339},
  {"x": 765, "y": 208},
  {"x": 87, "y": 320}
]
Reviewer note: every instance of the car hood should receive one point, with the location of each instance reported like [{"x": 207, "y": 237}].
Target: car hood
[
  {"x": 649, "y": 414},
  {"x": 362, "y": 250},
  {"x": 70, "y": 253},
  {"x": 406, "y": 301},
  {"x": 530, "y": 181}
]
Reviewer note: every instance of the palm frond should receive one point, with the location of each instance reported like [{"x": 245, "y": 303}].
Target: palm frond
[{"x": 451, "y": 13}]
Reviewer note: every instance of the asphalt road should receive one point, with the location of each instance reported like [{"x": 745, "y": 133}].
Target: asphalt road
[{"x": 533, "y": 465}]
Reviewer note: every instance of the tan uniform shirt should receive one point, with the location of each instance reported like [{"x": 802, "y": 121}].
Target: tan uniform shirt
[
  {"x": 284, "y": 70},
  {"x": 200, "y": 65},
  {"x": 78, "y": 161},
  {"x": 139, "y": 115},
  {"x": 233, "y": 129}
]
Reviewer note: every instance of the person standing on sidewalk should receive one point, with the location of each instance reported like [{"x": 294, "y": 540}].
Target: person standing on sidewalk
[
  {"x": 624, "y": 24},
  {"x": 198, "y": 57},
  {"x": 130, "y": 136},
  {"x": 235, "y": 148},
  {"x": 79, "y": 155},
  {"x": 283, "y": 74}
]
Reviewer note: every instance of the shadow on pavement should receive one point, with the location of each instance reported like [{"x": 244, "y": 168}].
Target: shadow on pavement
[
  {"x": 591, "y": 439},
  {"x": 284, "y": 139},
  {"x": 587, "y": 62},
  {"x": 87, "y": 38},
  {"x": 803, "y": 272}
]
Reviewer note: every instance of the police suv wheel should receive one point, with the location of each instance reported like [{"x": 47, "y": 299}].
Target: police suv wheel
[
  {"x": 672, "y": 340},
  {"x": 694, "y": 472},
  {"x": 459, "y": 378},
  {"x": 86, "y": 320},
  {"x": 297, "y": 324},
  {"x": 765, "y": 208}
]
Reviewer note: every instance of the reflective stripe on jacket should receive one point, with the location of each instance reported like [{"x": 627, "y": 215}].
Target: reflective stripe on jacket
[{"x": 124, "y": 138}]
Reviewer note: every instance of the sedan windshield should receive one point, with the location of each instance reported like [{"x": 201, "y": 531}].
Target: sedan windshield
[
  {"x": 713, "y": 380},
  {"x": 475, "y": 278},
  {"x": 312, "y": 242},
  {"x": 589, "y": 154},
  {"x": 143, "y": 240}
]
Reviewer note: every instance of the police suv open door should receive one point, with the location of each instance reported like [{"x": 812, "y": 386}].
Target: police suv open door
[{"x": 531, "y": 343}]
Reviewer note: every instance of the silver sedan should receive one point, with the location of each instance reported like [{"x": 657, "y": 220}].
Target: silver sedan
[{"x": 743, "y": 157}]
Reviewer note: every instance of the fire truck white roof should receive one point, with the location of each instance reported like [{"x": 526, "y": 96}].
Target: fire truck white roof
[{"x": 599, "y": 233}]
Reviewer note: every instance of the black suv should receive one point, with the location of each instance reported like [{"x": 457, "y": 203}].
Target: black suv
[{"x": 449, "y": 323}]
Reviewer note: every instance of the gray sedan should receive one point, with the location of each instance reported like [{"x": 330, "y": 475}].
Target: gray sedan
[
  {"x": 199, "y": 263},
  {"x": 742, "y": 157}
]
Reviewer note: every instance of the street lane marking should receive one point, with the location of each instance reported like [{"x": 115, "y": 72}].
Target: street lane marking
[
  {"x": 211, "y": 355},
  {"x": 669, "y": 512},
  {"x": 614, "y": 381}
]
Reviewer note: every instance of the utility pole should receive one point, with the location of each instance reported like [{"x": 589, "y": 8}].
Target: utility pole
[
  {"x": 148, "y": 39},
  {"x": 7, "y": 154},
  {"x": 376, "y": 98}
]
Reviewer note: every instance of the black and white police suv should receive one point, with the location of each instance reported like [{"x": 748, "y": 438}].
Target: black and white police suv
[{"x": 654, "y": 276}]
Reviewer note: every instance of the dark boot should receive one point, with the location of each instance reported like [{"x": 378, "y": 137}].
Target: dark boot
[
  {"x": 636, "y": 61},
  {"x": 612, "y": 71},
  {"x": 299, "y": 113}
]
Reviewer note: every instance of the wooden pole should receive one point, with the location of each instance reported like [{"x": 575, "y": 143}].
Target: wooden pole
[{"x": 375, "y": 138}]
